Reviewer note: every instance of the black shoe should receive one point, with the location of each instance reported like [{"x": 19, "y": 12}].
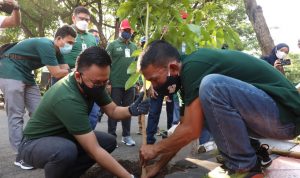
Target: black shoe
[{"x": 261, "y": 153}]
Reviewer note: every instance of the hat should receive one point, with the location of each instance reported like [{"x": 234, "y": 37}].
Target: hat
[{"x": 125, "y": 24}]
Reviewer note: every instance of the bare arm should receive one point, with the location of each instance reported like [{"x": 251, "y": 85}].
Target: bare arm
[
  {"x": 64, "y": 66},
  {"x": 14, "y": 19},
  {"x": 57, "y": 72},
  {"x": 116, "y": 112},
  {"x": 90, "y": 145},
  {"x": 189, "y": 129}
]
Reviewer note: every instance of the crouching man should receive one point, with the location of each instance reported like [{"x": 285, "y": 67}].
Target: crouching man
[{"x": 59, "y": 137}]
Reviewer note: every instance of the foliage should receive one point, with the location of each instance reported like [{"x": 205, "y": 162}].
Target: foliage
[
  {"x": 292, "y": 71},
  {"x": 205, "y": 26}
]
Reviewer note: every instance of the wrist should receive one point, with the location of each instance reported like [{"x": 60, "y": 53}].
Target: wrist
[
  {"x": 129, "y": 110},
  {"x": 16, "y": 8}
]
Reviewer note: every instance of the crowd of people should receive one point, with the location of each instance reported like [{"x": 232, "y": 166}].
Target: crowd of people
[{"x": 225, "y": 95}]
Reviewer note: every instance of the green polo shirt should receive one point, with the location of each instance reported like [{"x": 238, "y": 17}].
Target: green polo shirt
[
  {"x": 82, "y": 38},
  {"x": 120, "y": 63},
  {"x": 246, "y": 68},
  {"x": 40, "y": 51},
  {"x": 63, "y": 111}
]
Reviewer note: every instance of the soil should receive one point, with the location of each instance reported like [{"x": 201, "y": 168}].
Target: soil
[{"x": 134, "y": 168}]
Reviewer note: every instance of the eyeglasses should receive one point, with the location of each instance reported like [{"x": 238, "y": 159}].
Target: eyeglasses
[{"x": 96, "y": 83}]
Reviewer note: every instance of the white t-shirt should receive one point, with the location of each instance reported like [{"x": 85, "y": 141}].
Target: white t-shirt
[{"x": 2, "y": 19}]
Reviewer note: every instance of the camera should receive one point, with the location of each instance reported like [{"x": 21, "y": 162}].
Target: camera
[
  {"x": 6, "y": 6},
  {"x": 285, "y": 62}
]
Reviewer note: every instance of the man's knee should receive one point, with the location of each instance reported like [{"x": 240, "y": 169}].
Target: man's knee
[{"x": 208, "y": 83}]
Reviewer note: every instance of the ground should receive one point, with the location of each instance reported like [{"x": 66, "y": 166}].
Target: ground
[{"x": 187, "y": 163}]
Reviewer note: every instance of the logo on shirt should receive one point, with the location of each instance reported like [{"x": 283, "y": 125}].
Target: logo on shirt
[{"x": 119, "y": 49}]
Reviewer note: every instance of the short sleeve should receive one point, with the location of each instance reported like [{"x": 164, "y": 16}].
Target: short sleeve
[
  {"x": 47, "y": 53},
  {"x": 103, "y": 98},
  {"x": 74, "y": 116},
  {"x": 1, "y": 20}
]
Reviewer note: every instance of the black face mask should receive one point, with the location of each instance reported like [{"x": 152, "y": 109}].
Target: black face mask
[
  {"x": 92, "y": 93},
  {"x": 171, "y": 86}
]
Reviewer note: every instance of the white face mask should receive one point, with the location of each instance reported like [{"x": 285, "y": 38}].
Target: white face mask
[
  {"x": 82, "y": 25},
  {"x": 280, "y": 54}
]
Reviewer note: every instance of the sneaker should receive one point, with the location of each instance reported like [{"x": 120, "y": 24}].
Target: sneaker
[
  {"x": 224, "y": 172},
  {"x": 128, "y": 141},
  {"x": 263, "y": 155},
  {"x": 261, "y": 152},
  {"x": 23, "y": 165}
]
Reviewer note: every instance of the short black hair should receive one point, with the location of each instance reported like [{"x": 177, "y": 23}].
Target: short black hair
[
  {"x": 92, "y": 56},
  {"x": 159, "y": 53},
  {"x": 81, "y": 9},
  {"x": 65, "y": 31}
]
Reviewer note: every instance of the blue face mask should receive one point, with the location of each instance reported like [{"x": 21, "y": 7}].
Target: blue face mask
[
  {"x": 97, "y": 40},
  {"x": 126, "y": 35},
  {"x": 67, "y": 48}
]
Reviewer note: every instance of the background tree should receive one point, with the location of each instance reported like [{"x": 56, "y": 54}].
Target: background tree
[{"x": 261, "y": 29}]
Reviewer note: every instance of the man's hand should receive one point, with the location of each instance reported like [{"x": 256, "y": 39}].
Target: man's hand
[
  {"x": 151, "y": 170},
  {"x": 139, "y": 106},
  {"x": 278, "y": 66},
  {"x": 147, "y": 152}
]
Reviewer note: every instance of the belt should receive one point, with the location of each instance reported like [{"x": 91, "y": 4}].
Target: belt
[{"x": 15, "y": 56}]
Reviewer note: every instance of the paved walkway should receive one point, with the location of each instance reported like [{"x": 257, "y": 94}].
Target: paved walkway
[{"x": 194, "y": 165}]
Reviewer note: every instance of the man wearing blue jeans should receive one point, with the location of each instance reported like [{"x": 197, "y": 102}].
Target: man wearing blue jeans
[
  {"x": 238, "y": 95},
  {"x": 156, "y": 102}
]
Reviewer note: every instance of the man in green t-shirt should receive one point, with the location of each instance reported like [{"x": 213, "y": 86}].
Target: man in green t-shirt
[
  {"x": 17, "y": 79},
  {"x": 235, "y": 94},
  {"x": 59, "y": 137},
  {"x": 120, "y": 52},
  {"x": 81, "y": 18}
]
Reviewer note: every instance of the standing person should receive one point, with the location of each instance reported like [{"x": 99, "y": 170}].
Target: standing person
[
  {"x": 95, "y": 33},
  {"x": 278, "y": 53},
  {"x": 81, "y": 18},
  {"x": 156, "y": 102},
  {"x": 14, "y": 19},
  {"x": 17, "y": 81},
  {"x": 59, "y": 138},
  {"x": 233, "y": 93},
  {"x": 9, "y": 21},
  {"x": 120, "y": 52}
]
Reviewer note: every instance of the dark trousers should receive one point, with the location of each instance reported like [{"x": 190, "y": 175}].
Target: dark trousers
[
  {"x": 61, "y": 157},
  {"x": 121, "y": 98},
  {"x": 154, "y": 114}
]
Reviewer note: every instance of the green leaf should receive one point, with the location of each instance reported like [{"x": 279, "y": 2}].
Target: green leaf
[
  {"x": 132, "y": 80},
  {"x": 125, "y": 9},
  {"x": 132, "y": 68},
  {"x": 211, "y": 25},
  {"x": 136, "y": 53},
  {"x": 195, "y": 29}
]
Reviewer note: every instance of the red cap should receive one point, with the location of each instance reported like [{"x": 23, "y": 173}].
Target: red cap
[
  {"x": 184, "y": 15},
  {"x": 125, "y": 24}
]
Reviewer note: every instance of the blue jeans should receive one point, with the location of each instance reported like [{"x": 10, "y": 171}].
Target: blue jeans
[
  {"x": 205, "y": 136},
  {"x": 93, "y": 116},
  {"x": 61, "y": 157},
  {"x": 176, "y": 113},
  {"x": 154, "y": 114},
  {"x": 235, "y": 110}
]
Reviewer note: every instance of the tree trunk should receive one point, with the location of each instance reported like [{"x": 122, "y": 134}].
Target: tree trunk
[
  {"x": 257, "y": 19},
  {"x": 117, "y": 26}
]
